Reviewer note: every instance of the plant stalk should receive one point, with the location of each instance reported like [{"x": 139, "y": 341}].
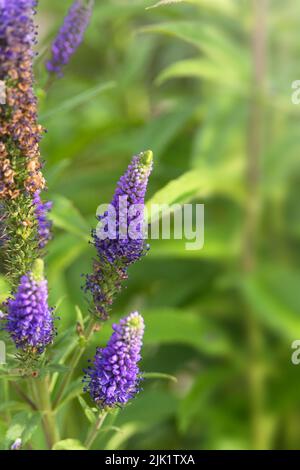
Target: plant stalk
[
  {"x": 74, "y": 362},
  {"x": 95, "y": 430},
  {"x": 40, "y": 387},
  {"x": 256, "y": 373}
]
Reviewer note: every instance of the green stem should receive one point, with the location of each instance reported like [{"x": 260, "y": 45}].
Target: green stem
[
  {"x": 24, "y": 396},
  {"x": 6, "y": 398},
  {"x": 40, "y": 388},
  {"x": 95, "y": 430},
  {"x": 74, "y": 362},
  {"x": 256, "y": 372}
]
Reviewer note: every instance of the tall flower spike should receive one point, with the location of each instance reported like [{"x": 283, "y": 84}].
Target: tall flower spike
[
  {"x": 118, "y": 250},
  {"x": 44, "y": 224},
  {"x": 20, "y": 133},
  {"x": 114, "y": 377},
  {"x": 29, "y": 319},
  {"x": 69, "y": 36}
]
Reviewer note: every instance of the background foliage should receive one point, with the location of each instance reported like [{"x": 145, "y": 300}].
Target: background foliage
[{"x": 182, "y": 80}]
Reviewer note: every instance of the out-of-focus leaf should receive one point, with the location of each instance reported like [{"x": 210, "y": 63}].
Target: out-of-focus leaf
[
  {"x": 13, "y": 406},
  {"x": 65, "y": 216},
  {"x": 74, "y": 390},
  {"x": 224, "y": 6},
  {"x": 214, "y": 42},
  {"x": 77, "y": 100},
  {"x": 64, "y": 250},
  {"x": 31, "y": 427},
  {"x": 201, "y": 183},
  {"x": 90, "y": 415},
  {"x": 118, "y": 440},
  {"x": 159, "y": 375},
  {"x": 203, "y": 69},
  {"x": 165, "y": 326},
  {"x": 4, "y": 289},
  {"x": 69, "y": 444},
  {"x": 271, "y": 308},
  {"x": 199, "y": 395},
  {"x": 149, "y": 408},
  {"x": 17, "y": 426}
]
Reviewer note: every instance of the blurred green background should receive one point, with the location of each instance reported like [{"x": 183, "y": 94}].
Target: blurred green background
[{"x": 206, "y": 84}]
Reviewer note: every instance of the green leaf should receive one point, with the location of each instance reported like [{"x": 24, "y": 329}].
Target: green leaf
[
  {"x": 167, "y": 326},
  {"x": 87, "y": 410},
  {"x": 79, "y": 316},
  {"x": 118, "y": 439},
  {"x": 214, "y": 42},
  {"x": 224, "y": 6},
  {"x": 159, "y": 375},
  {"x": 199, "y": 183},
  {"x": 165, "y": 2},
  {"x": 13, "y": 406},
  {"x": 31, "y": 427},
  {"x": 199, "y": 397},
  {"x": 271, "y": 308},
  {"x": 4, "y": 289},
  {"x": 69, "y": 444},
  {"x": 74, "y": 390},
  {"x": 203, "y": 69},
  {"x": 65, "y": 216},
  {"x": 64, "y": 250},
  {"x": 17, "y": 426},
  {"x": 77, "y": 100}
]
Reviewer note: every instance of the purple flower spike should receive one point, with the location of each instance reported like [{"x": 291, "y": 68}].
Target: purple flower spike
[
  {"x": 118, "y": 250},
  {"x": 69, "y": 36},
  {"x": 128, "y": 202},
  {"x": 30, "y": 322},
  {"x": 44, "y": 225},
  {"x": 114, "y": 377}
]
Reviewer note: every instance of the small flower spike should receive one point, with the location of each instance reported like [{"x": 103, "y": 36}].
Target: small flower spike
[
  {"x": 44, "y": 225},
  {"x": 122, "y": 243},
  {"x": 29, "y": 319},
  {"x": 114, "y": 377},
  {"x": 70, "y": 36}
]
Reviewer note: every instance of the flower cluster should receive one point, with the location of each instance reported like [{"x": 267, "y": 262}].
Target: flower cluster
[
  {"x": 128, "y": 202},
  {"x": 114, "y": 377},
  {"x": 115, "y": 254},
  {"x": 29, "y": 319},
  {"x": 20, "y": 166},
  {"x": 69, "y": 36},
  {"x": 44, "y": 224}
]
